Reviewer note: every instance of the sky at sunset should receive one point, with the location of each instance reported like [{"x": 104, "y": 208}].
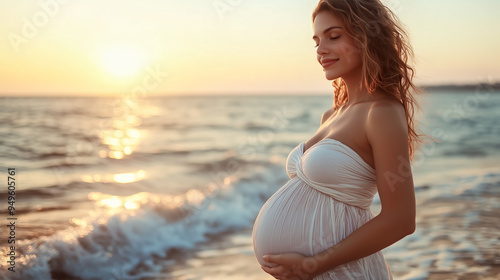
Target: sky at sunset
[{"x": 162, "y": 47}]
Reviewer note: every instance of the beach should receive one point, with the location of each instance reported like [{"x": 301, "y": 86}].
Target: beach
[
  {"x": 171, "y": 188},
  {"x": 456, "y": 246}
]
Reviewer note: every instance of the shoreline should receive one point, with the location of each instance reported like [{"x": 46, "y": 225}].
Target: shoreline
[{"x": 461, "y": 231}]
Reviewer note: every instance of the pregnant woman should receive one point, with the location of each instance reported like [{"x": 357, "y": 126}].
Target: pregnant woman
[{"x": 319, "y": 224}]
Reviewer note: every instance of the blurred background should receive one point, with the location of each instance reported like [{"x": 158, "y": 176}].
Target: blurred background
[
  {"x": 104, "y": 48},
  {"x": 147, "y": 135}
]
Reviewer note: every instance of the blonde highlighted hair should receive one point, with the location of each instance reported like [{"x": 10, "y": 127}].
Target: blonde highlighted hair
[{"x": 385, "y": 52}]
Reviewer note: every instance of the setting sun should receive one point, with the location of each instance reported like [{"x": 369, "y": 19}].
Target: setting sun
[{"x": 122, "y": 61}]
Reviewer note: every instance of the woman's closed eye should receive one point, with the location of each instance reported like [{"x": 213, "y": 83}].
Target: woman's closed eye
[{"x": 331, "y": 38}]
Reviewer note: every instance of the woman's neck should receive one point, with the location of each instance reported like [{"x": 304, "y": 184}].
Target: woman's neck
[{"x": 356, "y": 89}]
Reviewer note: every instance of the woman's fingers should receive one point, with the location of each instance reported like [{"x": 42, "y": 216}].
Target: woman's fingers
[
  {"x": 266, "y": 269},
  {"x": 274, "y": 270},
  {"x": 278, "y": 272}
]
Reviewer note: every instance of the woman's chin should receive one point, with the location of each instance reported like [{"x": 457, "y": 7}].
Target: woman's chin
[{"x": 331, "y": 77}]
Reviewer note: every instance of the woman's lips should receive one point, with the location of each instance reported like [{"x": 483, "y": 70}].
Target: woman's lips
[{"x": 328, "y": 62}]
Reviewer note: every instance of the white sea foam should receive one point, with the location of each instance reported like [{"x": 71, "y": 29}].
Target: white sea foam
[
  {"x": 119, "y": 241},
  {"x": 135, "y": 236},
  {"x": 440, "y": 246},
  {"x": 115, "y": 242}
]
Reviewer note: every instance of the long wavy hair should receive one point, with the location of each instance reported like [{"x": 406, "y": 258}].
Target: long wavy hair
[{"x": 385, "y": 54}]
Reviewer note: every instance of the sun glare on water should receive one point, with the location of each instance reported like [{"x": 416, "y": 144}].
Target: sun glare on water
[{"x": 122, "y": 61}]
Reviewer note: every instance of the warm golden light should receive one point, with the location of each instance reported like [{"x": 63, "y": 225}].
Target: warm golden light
[
  {"x": 78, "y": 222},
  {"x": 133, "y": 120},
  {"x": 118, "y": 133},
  {"x": 113, "y": 202},
  {"x": 87, "y": 179},
  {"x": 133, "y": 133},
  {"x": 194, "y": 196},
  {"x": 137, "y": 55},
  {"x": 115, "y": 154},
  {"x": 111, "y": 141},
  {"x": 129, "y": 177},
  {"x": 130, "y": 205},
  {"x": 122, "y": 61},
  {"x": 118, "y": 178},
  {"x": 124, "y": 178},
  {"x": 103, "y": 153},
  {"x": 127, "y": 150}
]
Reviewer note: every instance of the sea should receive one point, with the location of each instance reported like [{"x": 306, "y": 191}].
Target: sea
[{"x": 122, "y": 188}]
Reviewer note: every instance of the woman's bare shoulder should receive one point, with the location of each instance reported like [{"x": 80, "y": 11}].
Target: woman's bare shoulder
[
  {"x": 389, "y": 108},
  {"x": 386, "y": 103},
  {"x": 387, "y": 113}
]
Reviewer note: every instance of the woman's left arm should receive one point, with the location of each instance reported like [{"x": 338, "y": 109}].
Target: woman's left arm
[{"x": 387, "y": 133}]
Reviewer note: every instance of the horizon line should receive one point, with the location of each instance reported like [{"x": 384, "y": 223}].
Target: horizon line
[{"x": 447, "y": 86}]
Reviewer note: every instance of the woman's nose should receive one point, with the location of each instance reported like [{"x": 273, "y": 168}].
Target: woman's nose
[{"x": 321, "y": 49}]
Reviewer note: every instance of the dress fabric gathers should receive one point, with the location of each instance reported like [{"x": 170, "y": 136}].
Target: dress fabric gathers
[{"x": 327, "y": 197}]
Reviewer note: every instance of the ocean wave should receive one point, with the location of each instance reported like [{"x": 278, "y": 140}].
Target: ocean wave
[
  {"x": 231, "y": 164},
  {"x": 450, "y": 229},
  {"x": 50, "y": 191},
  {"x": 40, "y": 153},
  {"x": 140, "y": 227},
  {"x": 49, "y": 155},
  {"x": 137, "y": 234},
  {"x": 65, "y": 164},
  {"x": 26, "y": 210}
]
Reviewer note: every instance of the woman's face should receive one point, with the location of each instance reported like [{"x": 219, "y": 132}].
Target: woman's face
[{"x": 336, "y": 50}]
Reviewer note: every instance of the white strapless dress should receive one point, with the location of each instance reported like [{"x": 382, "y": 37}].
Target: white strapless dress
[{"x": 327, "y": 197}]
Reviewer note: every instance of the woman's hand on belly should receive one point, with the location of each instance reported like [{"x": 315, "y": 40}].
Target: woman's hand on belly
[{"x": 290, "y": 266}]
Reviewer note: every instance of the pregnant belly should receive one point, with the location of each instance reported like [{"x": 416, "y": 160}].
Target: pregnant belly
[
  {"x": 300, "y": 219},
  {"x": 296, "y": 219}
]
